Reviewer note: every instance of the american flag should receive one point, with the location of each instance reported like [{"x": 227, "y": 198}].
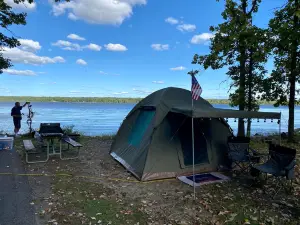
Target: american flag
[{"x": 196, "y": 88}]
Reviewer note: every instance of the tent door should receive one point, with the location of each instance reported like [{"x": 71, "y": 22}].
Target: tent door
[{"x": 200, "y": 143}]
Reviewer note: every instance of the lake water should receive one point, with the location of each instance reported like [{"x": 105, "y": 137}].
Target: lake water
[{"x": 98, "y": 118}]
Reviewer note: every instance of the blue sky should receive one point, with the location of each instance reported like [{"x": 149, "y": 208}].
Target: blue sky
[{"x": 125, "y": 48}]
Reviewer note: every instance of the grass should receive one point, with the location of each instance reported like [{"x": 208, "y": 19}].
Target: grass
[
  {"x": 106, "y": 137},
  {"x": 91, "y": 203},
  {"x": 84, "y": 201}
]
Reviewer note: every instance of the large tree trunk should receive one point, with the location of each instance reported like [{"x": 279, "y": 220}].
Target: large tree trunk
[
  {"x": 292, "y": 80},
  {"x": 241, "y": 124},
  {"x": 250, "y": 90}
]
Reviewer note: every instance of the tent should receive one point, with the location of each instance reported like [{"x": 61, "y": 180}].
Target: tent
[{"x": 154, "y": 140}]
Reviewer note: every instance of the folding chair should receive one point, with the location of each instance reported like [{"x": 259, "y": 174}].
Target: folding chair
[
  {"x": 240, "y": 154},
  {"x": 281, "y": 163}
]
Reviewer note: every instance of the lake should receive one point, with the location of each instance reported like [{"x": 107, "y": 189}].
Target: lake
[{"x": 98, "y": 118}]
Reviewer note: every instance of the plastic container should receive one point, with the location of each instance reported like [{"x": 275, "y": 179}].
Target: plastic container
[{"x": 6, "y": 143}]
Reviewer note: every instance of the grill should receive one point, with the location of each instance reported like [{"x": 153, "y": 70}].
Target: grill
[{"x": 50, "y": 128}]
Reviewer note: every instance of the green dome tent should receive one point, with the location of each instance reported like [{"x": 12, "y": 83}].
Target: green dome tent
[{"x": 155, "y": 139}]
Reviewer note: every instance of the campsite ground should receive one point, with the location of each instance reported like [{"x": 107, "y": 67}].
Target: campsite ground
[{"x": 95, "y": 189}]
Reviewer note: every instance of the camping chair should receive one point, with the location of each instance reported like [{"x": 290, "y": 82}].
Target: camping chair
[
  {"x": 240, "y": 154},
  {"x": 281, "y": 163}
]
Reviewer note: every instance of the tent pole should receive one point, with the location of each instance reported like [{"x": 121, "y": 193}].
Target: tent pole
[{"x": 193, "y": 149}]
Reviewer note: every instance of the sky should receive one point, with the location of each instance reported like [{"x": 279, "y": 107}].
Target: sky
[{"x": 115, "y": 48}]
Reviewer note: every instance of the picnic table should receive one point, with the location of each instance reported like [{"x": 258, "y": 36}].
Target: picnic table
[{"x": 51, "y": 133}]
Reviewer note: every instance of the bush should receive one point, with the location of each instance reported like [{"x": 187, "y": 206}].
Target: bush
[{"x": 69, "y": 129}]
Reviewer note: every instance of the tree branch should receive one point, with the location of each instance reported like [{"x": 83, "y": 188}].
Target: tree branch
[{"x": 254, "y": 4}]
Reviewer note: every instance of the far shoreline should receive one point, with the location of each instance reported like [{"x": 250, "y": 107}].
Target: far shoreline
[{"x": 96, "y": 100}]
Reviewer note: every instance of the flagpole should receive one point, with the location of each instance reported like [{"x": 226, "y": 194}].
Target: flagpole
[
  {"x": 193, "y": 73},
  {"x": 193, "y": 148}
]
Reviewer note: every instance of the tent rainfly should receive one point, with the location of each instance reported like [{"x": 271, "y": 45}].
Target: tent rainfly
[{"x": 154, "y": 140}]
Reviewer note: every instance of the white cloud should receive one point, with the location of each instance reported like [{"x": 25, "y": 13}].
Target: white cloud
[
  {"x": 48, "y": 83},
  {"x": 111, "y": 74},
  {"x": 74, "y": 91},
  {"x": 24, "y": 6},
  {"x": 179, "y": 68},
  {"x": 141, "y": 91},
  {"x": 171, "y": 20},
  {"x": 71, "y": 16},
  {"x": 17, "y": 55},
  {"x": 115, "y": 47},
  {"x": 120, "y": 93},
  {"x": 20, "y": 72},
  {"x": 59, "y": 59},
  {"x": 158, "y": 82},
  {"x": 97, "y": 11},
  {"x": 201, "y": 38},
  {"x": 81, "y": 62},
  {"x": 29, "y": 45},
  {"x": 66, "y": 45},
  {"x": 93, "y": 47},
  {"x": 186, "y": 27},
  {"x": 160, "y": 47},
  {"x": 75, "y": 37}
]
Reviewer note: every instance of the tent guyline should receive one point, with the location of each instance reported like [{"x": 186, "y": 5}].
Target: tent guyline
[{"x": 154, "y": 140}]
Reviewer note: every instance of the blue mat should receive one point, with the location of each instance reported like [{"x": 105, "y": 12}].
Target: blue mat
[{"x": 204, "y": 178}]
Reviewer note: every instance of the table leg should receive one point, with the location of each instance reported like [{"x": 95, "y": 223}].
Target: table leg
[
  {"x": 60, "y": 146},
  {"x": 53, "y": 147},
  {"x": 48, "y": 147}
]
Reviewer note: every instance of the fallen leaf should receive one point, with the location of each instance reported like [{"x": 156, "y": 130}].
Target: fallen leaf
[{"x": 224, "y": 212}]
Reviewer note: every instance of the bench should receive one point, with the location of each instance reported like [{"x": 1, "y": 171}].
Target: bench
[
  {"x": 28, "y": 145},
  {"x": 70, "y": 141},
  {"x": 30, "y": 149},
  {"x": 74, "y": 144}
]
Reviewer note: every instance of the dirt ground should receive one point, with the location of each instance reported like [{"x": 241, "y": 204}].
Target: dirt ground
[{"x": 95, "y": 189}]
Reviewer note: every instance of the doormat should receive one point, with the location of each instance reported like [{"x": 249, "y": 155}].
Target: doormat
[{"x": 204, "y": 178}]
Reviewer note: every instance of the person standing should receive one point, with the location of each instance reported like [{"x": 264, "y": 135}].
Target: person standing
[{"x": 17, "y": 116}]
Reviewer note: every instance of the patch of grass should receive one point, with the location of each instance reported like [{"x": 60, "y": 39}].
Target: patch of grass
[
  {"x": 108, "y": 211},
  {"x": 89, "y": 202},
  {"x": 106, "y": 137}
]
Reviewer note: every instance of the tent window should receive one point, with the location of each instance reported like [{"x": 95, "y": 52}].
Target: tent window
[{"x": 140, "y": 126}]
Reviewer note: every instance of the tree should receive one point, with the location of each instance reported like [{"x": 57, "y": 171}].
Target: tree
[
  {"x": 230, "y": 47},
  {"x": 8, "y": 18},
  {"x": 257, "y": 53},
  {"x": 281, "y": 85}
]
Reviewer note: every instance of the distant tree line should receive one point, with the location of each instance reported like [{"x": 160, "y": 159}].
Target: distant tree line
[
  {"x": 96, "y": 100},
  {"x": 68, "y": 99}
]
